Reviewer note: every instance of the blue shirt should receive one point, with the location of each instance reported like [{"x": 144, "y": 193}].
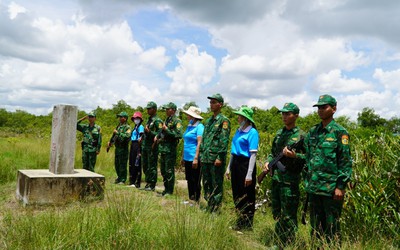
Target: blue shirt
[
  {"x": 136, "y": 132},
  {"x": 244, "y": 142},
  {"x": 190, "y": 140}
]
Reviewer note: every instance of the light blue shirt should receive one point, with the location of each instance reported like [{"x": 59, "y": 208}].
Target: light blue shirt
[
  {"x": 136, "y": 133},
  {"x": 190, "y": 140},
  {"x": 245, "y": 141}
]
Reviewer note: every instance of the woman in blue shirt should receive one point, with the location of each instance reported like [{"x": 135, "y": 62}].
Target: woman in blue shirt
[
  {"x": 191, "y": 146},
  {"x": 241, "y": 169},
  {"x": 135, "y": 166}
]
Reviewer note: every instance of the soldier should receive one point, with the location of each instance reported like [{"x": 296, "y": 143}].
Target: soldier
[
  {"x": 285, "y": 185},
  {"x": 121, "y": 138},
  {"x": 329, "y": 166},
  {"x": 91, "y": 143},
  {"x": 168, "y": 140},
  {"x": 149, "y": 148},
  {"x": 213, "y": 153}
]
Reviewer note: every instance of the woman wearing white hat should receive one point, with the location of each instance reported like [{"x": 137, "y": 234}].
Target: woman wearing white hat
[{"x": 191, "y": 146}]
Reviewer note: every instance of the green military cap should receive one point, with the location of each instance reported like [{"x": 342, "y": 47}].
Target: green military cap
[
  {"x": 170, "y": 105},
  {"x": 245, "y": 112},
  {"x": 325, "y": 99},
  {"x": 151, "y": 105},
  {"x": 92, "y": 113},
  {"x": 290, "y": 107},
  {"x": 217, "y": 97},
  {"x": 123, "y": 114}
]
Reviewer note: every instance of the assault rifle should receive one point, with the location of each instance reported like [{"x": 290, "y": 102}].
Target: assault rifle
[
  {"x": 112, "y": 140},
  {"x": 276, "y": 163}
]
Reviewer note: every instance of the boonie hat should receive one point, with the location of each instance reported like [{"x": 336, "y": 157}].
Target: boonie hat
[
  {"x": 170, "y": 105},
  {"x": 193, "y": 112},
  {"x": 123, "y": 114},
  {"x": 325, "y": 99},
  {"x": 246, "y": 112},
  {"x": 217, "y": 97},
  {"x": 151, "y": 105},
  {"x": 290, "y": 107},
  {"x": 92, "y": 113}
]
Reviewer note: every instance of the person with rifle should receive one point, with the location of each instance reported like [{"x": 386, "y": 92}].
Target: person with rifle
[
  {"x": 120, "y": 138},
  {"x": 242, "y": 169},
  {"x": 135, "y": 166},
  {"x": 149, "y": 149},
  {"x": 213, "y": 152},
  {"x": 329, "y": 168},
  {"x": 167, "y": 141},
  {"x": 286, "y": 178},
  {"x": 91, "y": 143}
]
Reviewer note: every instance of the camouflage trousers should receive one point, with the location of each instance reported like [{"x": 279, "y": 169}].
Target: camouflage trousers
[
  {"x": 213, "y": 180},
  {"x": 121, "y": 162},
  {"x": 89, "y": 160},
  {"x": 150, "y": 160},
  {"x": 285, "y": 202},
  {"x": 324, "y": 217},
  {"x": 167, "y": 167}
]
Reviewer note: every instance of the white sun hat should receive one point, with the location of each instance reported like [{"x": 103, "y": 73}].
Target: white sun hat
[{"x": 193, "y": 112}]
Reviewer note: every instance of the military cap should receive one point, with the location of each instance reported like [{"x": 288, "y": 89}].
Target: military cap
[
  {"x": 217, "y": 97},
  {"x": 92, "y": 113},
  {"x": 325, "y": 99},
  {"x": 245, "y": 112},
  {"x": 290, "y": 107},
  {"x": 123, "y": 114},
  {"x": 151, "y": 105},
  {"x": 170, "y": 105}
]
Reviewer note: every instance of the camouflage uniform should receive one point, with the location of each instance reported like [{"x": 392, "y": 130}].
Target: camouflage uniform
[
  {"x": 122, "y": 138},
  {"x": 214, "y": 146},
  {"x": 91, "y": 144},
  {"x": 168, "y": 141},
  {"x": 329, "y": 166},
  {"x": 285, "y": 186},
  {"x": 150, "y": 151}
]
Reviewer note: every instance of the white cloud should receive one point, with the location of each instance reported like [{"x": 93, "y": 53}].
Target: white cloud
[
  {"x": 390, "y": 79},
  {"x": 15, "y": 9},
  {"x": 334, "y": 81}
]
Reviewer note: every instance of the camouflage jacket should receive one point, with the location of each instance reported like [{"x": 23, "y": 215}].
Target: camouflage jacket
[
  {"x": 329, "y": 163},
  {"x": 155, "y": 124},
  {"x": 91, "y": 137},
  {"x": 294, "y": 166},
  {"x": 215, "y": 139},
  {"x": 123, "y": 136},
  {"x": 168, "y": 139}
]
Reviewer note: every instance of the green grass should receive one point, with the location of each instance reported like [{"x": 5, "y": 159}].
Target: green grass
[{"x": 129, "y": 218}]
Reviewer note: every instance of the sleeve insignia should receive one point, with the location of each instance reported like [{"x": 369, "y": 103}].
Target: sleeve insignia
[
  {"x": 178, "y": 125},
  {"x": 160, "y": 125},
  {"x": 345, "y": 139},
  {"x": 128, "y": 131},
  {"x": 225, "y": 125}
]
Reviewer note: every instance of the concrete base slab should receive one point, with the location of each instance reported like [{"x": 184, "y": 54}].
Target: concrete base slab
[{"x": 42, "y": 187}]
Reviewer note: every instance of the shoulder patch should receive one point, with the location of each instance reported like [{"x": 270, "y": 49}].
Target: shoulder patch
[
  {"x": 160, "y": 125},
  {"x": 128, "y": 131},
  {"x": 225, "y": 125},
  {"x": 178, "y": 125},
  {"x": 345, "y": 139}
]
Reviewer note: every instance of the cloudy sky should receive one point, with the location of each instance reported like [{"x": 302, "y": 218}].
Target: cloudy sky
[{"x": 260, "y": 53}]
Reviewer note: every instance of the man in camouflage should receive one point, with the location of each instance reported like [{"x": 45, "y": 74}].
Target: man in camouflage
[
  {"x": 168, "y": 140},
  {"x": 285, "y": 185},
  {"x": 213, "y": 151},
  {"x": 329, "y": 167},
  {"x": 121, "y": 137},
  {"x": 91, "y": 143},
  {"x": 149, "y": 147}
]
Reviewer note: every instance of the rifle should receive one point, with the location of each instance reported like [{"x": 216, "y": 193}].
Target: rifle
[
  {"x": 276, "y": 163},
  {"x": 304, "y": 212},
  {"x": 112, "y": 139}
]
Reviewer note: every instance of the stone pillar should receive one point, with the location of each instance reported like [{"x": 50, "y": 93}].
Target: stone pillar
[{"x": 63, "y": 138}]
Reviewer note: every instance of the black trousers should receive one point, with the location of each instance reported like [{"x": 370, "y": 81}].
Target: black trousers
[
  {"x": 193, "y": 177},
  {"x": 243, "y": 197},
  {"x": 135, "y": 168}
]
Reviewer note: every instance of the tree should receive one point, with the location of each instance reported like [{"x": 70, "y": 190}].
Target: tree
[{"x": 368, "y": 119}]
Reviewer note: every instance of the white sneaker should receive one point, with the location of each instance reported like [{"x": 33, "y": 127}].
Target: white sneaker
[{"x": 133, "y": 185}]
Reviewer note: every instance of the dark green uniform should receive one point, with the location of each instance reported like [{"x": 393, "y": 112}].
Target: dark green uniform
[
  {"x": 329, "y": 166},
  {"x": 214, "y": 146},
  {"x": 150, "y": 151},
  {"x": 285, "y": 186},
  {"x": 168, "y": 141},
  {"x": 91, "y": 144},
  {"x": 122, "y": 138}
]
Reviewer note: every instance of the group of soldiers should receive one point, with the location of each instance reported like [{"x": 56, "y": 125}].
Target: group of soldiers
[{"x": 323, "y": 154}]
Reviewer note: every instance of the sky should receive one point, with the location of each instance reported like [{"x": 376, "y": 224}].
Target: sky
[{"x": 259, "y": 53}]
